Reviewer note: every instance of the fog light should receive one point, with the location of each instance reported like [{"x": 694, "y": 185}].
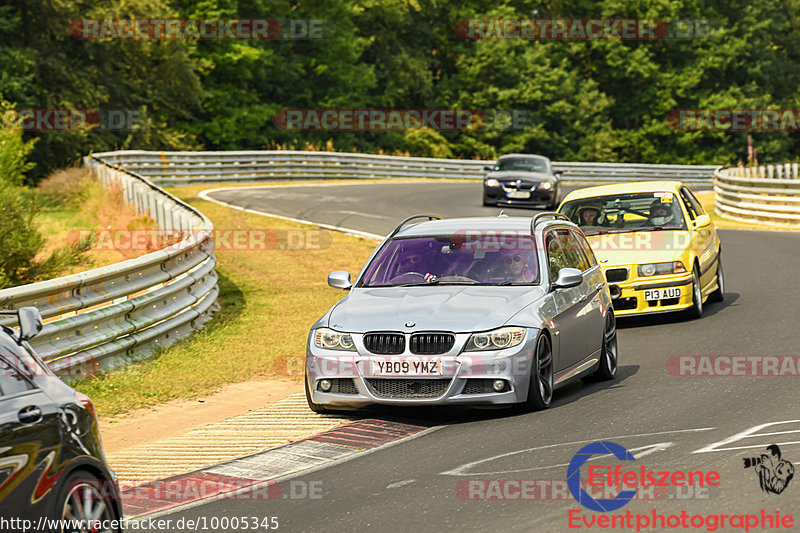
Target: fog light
[
  {"x": 498, "y": 385},
  {"x": 325, "y": 385}
]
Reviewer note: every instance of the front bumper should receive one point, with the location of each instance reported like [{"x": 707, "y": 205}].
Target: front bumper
[
  {"x": 459, "y": 384},
  {"x": 538, "y": 197},
  {"x": 631, "y": 301}
]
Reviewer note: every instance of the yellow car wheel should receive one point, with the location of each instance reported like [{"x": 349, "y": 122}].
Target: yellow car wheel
[{"x": 696, "y": 310}]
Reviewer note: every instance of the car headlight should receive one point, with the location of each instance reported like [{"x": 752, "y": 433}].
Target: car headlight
[
  {"x": 491, "y": 182},
  {"x": 658, "y": 269},
  {"x": 333, "y": 340},
  {"x": 546, "y": 185},
  {"x": 497, "y": 339}
]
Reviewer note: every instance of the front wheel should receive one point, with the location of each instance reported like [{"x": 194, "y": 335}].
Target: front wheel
[
  {"x": 719, "y": 294},
  {"x": 696, "y": 310},
  {"x": 540, "y": 389},
  {"x": 81, "y": 500}
]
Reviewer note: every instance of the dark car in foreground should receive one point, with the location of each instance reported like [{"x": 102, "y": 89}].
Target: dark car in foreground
[
  {"x": 522, "y": 180},
  {"x": 493, "y": 311},
  {"x": 52, "y": 466}
]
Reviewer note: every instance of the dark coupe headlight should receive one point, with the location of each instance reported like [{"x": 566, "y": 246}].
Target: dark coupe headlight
[{"x": 491, "y": 182}]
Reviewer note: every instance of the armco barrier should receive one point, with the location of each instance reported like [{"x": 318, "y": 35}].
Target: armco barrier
[
  {"x": 175, "y": 168},
  {"x": 109, "y": 316},
  {"x": 768, "y": 194}
]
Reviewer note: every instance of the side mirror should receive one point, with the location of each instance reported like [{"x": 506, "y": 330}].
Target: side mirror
[
  {"x": 340, "y": 280},
  {"x": 567, "y": 278},
  {"x": 488, "y": 167},
  {"x": 702, "y": 221},
  {"x": 558, "y": 173},
  {"x": 30, "y": 322}
]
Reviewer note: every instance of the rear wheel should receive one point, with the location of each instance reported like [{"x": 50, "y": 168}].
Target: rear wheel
[
  {"x": 609, "y": 354},
  {"x": 696, "y": 310},
  {"x": 317, "y": 408},
  {"x": 540, "y": 389},
  {"x": 719, "y": 294}
]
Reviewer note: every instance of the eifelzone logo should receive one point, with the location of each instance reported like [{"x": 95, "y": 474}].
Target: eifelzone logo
[
  {"x": 774, "y": 473},
  {"x": 631, "y": 478},
  {"x": 574, "y": 476}
]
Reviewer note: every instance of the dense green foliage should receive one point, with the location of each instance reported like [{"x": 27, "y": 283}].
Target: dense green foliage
[
  {"x": 21, "y": 243},
  {"x": 603, "y": 100}
]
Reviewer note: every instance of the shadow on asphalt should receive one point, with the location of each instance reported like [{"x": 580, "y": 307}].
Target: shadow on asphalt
[
  {"x": 438, "y": 415},
  {"x": 709, "y": 309}
]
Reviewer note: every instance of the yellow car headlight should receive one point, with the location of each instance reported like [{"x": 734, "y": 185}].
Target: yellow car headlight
[{"x": 660, "y": 269}]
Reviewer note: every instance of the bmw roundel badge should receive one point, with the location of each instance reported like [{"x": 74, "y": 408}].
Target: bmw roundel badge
[{"x": 410, "y": 324}]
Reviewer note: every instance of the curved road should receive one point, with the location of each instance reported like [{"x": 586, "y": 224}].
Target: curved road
[{"x": 670, "y": 421}]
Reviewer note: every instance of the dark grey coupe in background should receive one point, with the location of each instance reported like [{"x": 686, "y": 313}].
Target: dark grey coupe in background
[{"x": 521, "y": 180}]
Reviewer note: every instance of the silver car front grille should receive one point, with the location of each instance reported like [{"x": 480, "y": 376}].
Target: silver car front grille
[
  {"x": 431, "y": 343},
  {"x": 385, "y": 343},
  {"x": 408, "y": 388}
]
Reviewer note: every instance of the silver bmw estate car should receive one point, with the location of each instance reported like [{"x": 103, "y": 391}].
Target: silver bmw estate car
[{"x": 493, "y": 311}]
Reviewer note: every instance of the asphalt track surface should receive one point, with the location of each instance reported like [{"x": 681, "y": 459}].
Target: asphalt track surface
[{"x": 668, "y": 421}]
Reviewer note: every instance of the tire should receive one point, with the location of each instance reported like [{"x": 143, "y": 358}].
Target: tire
[
  {"x": 609, "y": 354},
  {"x": 696, "y": 310},
  {"x": 80, "y": 497},
  {"x": 719, "y": 294},
  {"x": 540, "y": 389},
  {"x": 488, "y": 204},
  {"x": 317, "y": 408}
]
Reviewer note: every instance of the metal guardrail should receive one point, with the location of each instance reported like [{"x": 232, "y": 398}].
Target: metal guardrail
[
  {"x": 110, "y": 316},
  {"x": 767, "y": 194},
  {"x": 182, "y": 168}
]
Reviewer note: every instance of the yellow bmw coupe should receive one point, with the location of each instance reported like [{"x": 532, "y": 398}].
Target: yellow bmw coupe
[{"x": 657, "y": 247}]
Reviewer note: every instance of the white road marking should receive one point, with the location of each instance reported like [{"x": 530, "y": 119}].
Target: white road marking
[
  {"x": 462, "y": 469},
  {"x": 751, "y": 433},
  {"x": 259, "y": 486},
  {"x": 363, "y": 234},
  {"x": 400, "y": 484},
  {"x": 356, "y": 213}
]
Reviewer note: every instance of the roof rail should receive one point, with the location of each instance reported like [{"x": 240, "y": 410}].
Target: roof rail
[
  {"x": 551, "y": 214},
  {"x": 409, "y": 219}
]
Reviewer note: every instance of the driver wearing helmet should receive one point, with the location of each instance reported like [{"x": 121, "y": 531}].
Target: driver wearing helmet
[
  {"x": 660, "y": 213},
  {"x": 589, "y": 215}
]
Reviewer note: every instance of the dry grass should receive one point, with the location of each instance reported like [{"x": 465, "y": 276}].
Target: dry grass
[
  {"x": 269, "y": 300},
  {"x": 76, "y": 208}
]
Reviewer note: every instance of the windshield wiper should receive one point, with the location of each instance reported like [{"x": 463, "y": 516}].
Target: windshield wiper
[{"x": 436, "y": 282}]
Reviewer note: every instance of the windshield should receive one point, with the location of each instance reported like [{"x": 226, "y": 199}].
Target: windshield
[
  {"x": 469, "y": 258},
  {"x": 525, "y": 164},
  {"x": 619, "y": 213}
]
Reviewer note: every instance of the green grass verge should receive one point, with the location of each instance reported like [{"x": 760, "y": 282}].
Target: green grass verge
[{"x": 269, "y": 300}]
